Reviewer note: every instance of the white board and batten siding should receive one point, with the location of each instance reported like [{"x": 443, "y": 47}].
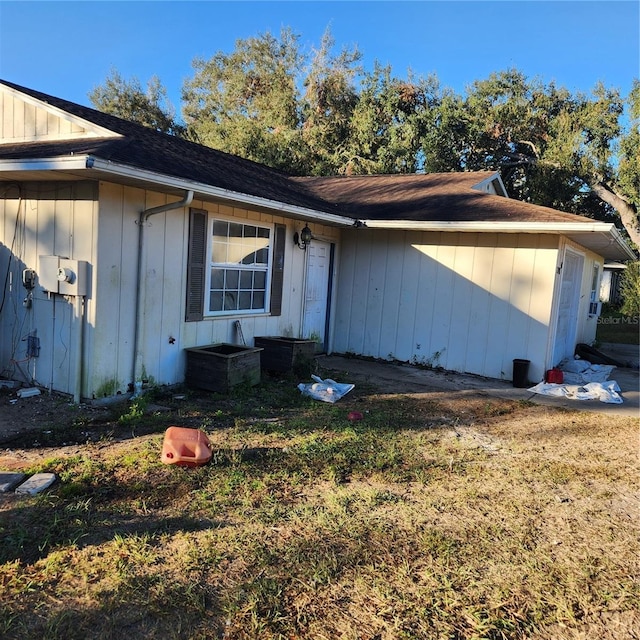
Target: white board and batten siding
[
  {"x": 49, "y": 218},
  {"x": 463, "y": 301},
  {"x": 165, "y": 333},
  {"x": 97, "y": 223},
  {"x": 41, "y": 219},
  {"x": 24, "y": 120}
]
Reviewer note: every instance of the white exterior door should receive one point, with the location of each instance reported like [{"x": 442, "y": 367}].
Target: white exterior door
[
  {"x": 316, "y": 293},
  {"x": 567, "y": 324}
]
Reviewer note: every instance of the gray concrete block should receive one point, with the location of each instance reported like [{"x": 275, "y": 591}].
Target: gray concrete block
[
  {"x": 9, "y": 481},
  {"x": 37, "y": 483}
]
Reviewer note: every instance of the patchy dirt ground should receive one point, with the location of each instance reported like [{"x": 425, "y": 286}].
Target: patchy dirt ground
[
  {"x": 21, "y": 416},
  {"x": 49, "y": 424}
]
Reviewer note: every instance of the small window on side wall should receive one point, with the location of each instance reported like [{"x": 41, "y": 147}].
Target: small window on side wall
[{"x": 595, "y": 306}]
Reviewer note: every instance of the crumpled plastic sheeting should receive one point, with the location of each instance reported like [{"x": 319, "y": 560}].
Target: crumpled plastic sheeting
[
  {"x": 581, "y": 371},
  {"x": 603, "y": 391},
  {"x": 326, "y": 390}
]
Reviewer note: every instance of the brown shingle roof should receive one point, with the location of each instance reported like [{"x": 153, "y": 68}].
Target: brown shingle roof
[
  {"x": 430, "y": 197},
  {"x": 144, "y": 148}
]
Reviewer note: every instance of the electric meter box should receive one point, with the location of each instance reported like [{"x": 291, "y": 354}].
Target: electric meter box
[{"x": 62, "y": 275}]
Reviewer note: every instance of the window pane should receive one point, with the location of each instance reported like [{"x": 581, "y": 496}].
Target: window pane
[
  {"x": 258, "y": 300},
  {"x": 220, "y": 228},
  {"x": 262, "y": 256},
  {"x": 217, "y": 278},
  {"x": 246, "y": 279},
  {"x": 230, "y": 301},
  {"x": 232, "y": 278},
  {"x": 219, "y": 251},
  {"x": 244, "y": 300},
  {"x": 260, "y": 279},
  {"x": 235, "y": 230},
  {"x": 215, "y": 301}
]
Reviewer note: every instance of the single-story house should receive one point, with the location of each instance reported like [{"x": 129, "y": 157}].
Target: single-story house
[{"x": 120, "y": 247}]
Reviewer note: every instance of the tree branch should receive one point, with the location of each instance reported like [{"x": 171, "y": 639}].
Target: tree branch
[
  {"x": 628, "y": 213},
  {"x": 532, "y": 146}
]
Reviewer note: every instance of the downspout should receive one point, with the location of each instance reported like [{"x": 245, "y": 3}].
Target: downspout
[{"x": 140, "y": 299}]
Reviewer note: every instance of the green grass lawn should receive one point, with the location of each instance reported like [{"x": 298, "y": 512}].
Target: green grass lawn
[
  {"x": 613, "y": 326},
  {"x": 459, "y": 519}
]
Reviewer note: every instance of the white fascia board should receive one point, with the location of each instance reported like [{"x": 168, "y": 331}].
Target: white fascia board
[
  {"x": 66, "y": 163},
  {"x": 620, "y": 241},
  {"x": 488, "y": 227},
  {"x": 218, "y": 192}
]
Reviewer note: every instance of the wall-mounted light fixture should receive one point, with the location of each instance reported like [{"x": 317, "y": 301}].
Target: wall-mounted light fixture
[{"x": 303, "y": 239}]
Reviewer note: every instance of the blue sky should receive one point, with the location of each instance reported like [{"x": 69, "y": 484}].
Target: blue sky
[{"x": 66, "y": 48}]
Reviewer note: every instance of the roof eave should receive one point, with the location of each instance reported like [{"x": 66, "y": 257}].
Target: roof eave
[
  {"x": 607, "y": 240},
  {"x": 97, "y": 168}
]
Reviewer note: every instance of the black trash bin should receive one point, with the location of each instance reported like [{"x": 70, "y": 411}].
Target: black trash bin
[{"x": 521, "y": 373}]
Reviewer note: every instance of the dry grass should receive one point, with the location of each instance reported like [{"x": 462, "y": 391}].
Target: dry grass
[{"x": 460, "y": 520}]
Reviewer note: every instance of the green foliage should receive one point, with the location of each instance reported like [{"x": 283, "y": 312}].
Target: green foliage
[
  {"x": 328, "y": 104},
  {"x": 629, "y": 167},
  {"x": 323, "y": 114},
  {"x": 389, "y": 122},
  {"x": 630, "y": 289},
  {"x": 135, "y": 413},
  {"x": 246, "y": 102},
  {"x": 127, "y": 100}
]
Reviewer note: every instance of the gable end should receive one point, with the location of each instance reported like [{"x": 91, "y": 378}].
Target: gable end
[{"x": 26, "y": 119}]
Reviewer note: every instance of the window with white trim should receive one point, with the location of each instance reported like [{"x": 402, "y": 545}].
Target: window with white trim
[
  {"x": 240, "y": 255},
  {"x": 233, "y": 267}
]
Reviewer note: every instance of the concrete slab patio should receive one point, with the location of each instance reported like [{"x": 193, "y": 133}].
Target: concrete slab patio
[{"x": 404, "y": 378}]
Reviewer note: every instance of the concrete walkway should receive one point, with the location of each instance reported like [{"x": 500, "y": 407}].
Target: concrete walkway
[{"x": 402, "y": 378}]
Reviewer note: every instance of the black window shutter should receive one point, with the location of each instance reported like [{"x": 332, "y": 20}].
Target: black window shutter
[
  {"x": 277, "y": 272},
  {"x": 196, "y": 265}
]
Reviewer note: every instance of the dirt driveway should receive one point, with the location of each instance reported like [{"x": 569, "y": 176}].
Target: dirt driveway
[{"x": 439, "y": 385}]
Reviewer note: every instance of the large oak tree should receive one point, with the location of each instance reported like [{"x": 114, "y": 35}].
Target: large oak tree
[{"x": 322, "y": 113}]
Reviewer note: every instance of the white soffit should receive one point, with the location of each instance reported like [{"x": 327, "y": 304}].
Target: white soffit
[{"x": 600, "y": 237}]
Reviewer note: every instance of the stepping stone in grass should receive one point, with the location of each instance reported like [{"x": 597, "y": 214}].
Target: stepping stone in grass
[
  {"x": 37, "y": 483},
  {"x": 9, "y": 481}
]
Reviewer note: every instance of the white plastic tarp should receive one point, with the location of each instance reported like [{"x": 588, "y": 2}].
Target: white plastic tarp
[
  {"x": 603, "y": 391},
  {"x": 325, "y": 390}
]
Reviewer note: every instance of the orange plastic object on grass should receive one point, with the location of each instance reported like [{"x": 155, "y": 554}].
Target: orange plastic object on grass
[{"x": 185, "y": 447}]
